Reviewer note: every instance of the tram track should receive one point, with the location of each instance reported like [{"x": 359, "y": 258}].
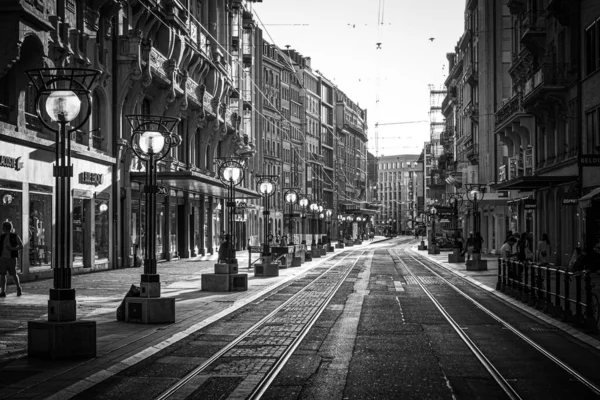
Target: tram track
[
  {"x": 416, "y": 265},
  {"x": 277, "y": 335}
]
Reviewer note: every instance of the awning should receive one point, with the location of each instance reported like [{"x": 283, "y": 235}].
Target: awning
[
  {"x": 533, "y": 182},
  {"x": 518, "y": 199},
  {"x": 195, "y": 182},
  {"x": 361, "y": 211},
  {"x": 586, "y": 201}
]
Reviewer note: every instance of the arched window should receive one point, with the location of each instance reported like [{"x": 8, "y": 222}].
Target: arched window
[{"x": 207, "y": 156}]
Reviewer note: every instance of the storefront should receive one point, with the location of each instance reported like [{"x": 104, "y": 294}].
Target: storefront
[{"x": 27, "y": 200}]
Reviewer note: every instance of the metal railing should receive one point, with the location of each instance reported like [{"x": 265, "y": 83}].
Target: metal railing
[{"x": 551, "y": 289}]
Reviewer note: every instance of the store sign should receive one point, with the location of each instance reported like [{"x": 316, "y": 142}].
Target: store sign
[
  {"x": 90, "y": 178},
  {"x": 530, "y": 204},
  {"x": 570, "y": 201},
  {"x": 10, "y": 162},
  {"x": 589, "y": 160}
]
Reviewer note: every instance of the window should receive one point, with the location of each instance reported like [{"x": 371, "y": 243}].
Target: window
[
  {"x": 592, "y": 121},
  {"x": 592, "y": 48}
]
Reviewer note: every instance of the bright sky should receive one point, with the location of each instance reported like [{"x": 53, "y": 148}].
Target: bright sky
[{"x": 341, "y": 38}]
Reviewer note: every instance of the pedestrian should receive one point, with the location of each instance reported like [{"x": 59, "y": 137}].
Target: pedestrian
[
  {"x": 11, "y": 244},
  {"x": 469, "y": 247},
  {"x": 523, "y": 251},
  {"x": 544, "y": 249},
  {"x": 478, "y": 243},
  {"x": 506, "y": 251},
  {"x": 223, "y": 249}
]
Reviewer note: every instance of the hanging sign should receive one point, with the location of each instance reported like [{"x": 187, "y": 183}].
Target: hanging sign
[
  {"x": 570, "y": 201},
  {"x": 530, "y": 204}
]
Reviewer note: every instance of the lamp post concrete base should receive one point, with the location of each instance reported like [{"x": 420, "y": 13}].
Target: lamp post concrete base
[
  {"x": 150, "y": 310},
  {"x": 330, "y": 248},
  {"x": 315, "y": 252},
  {"x": 422, "y": 246},
  {"x": 339, "y": 245},
  {"x": 266, "y": 269},
  {"x": 225, "y": 279},
  {"x": 455, "y": 257},
  {"x": 433, "y": 249},
  {"x": 61, "y": 340},
  {"x": 477, "y": 264}
]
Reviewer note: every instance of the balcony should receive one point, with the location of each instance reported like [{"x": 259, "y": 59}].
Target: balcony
[
  {"x": 472, "y": 111},
  {"x": 509, "y": 111},
  {"x": 516, "y": 6},
  {"x": 465, "y": 39},
  {"x": 533, "y": 28},
  {"x": 471, "y": 74},
  {"x": 472, "y": 152},
  {"x": 561, "y": 10},
  {"x": 548, "y": 80}
]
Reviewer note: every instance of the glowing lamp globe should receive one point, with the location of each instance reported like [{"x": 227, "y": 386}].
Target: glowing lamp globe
[
  {"x": 266, "y": 188},
  {"x": 291, "y": 197},
  {"x": 232, "y": 174},
  {"x": 63, "y": 105},
  {"x": 151, "y": 142},
  {"x": 328, "y": 213},
  {"x": 303, "y": 202}
]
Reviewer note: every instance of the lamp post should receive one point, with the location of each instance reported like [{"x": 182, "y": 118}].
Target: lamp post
[
  {"x": 341, "y": 230},
  {"x": 320, "y": 210},
  {"x": 266, "y": 185},
  {"x": 61, "y": 90},
  {"x": 349, "y": 219},
  {"x": 303, "y": 203},
  {"x": 328, "y": 214},
  {"x": 231, "y": 173},
  {"x": 358, "y": 224},
  {"x": 475, "y": 193},
  {"x": 291, "y": 197},
  {"x": 314, "y": 209},
  {"x": 151, "y": 141},
  {"x": 456, "y": 201},
  {"x": 433, "y": 247}
]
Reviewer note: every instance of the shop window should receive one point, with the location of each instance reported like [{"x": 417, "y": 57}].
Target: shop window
[
  {"x": 101, "y": 229},
  {"x": 173, "y": 226},
  {"x": 11, "y": 201},
  {"x": 160, "y": 230},
  {"x": 40, "y": 225},
  {"x": 81, "y": 244}
]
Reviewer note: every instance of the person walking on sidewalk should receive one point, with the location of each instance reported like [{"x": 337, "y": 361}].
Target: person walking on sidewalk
[
  {"x": 544, "y": 249},
  {"x": 11, "y": 244},
  {"x": 469, "y": 247}
]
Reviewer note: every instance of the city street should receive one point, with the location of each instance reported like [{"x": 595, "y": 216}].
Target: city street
[{"x": 359, "y": 323}]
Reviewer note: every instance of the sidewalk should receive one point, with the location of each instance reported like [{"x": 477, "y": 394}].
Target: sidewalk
[
  {"x": 488, "y": 280},
  {"x": 120, "y": 344}
]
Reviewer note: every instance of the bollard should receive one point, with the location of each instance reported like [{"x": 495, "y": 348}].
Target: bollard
[
  {"x": 539, "y": 283},
  {"x": 499, "y": 283},
  {"x": 548, "y": 288},
  {"x": 567, "y": 315},
  {"x": 590, "y": 321},
  {"x": 557, "y": 307},
  {"x": 578, "y": 311},
  {"x": 526, "y": 285}
]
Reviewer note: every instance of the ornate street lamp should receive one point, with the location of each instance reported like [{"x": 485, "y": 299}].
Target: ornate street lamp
[
  {"x": 231, "y": 173},
  {"x": 314, "y": 209},
  {"x": 456, "y": 201},
  {"x": 291, "y": 197},
  {"x": 152, "y": 138},
  {"x": 342, "y": 225},
  {"x": 266, "y": 185},
  {"x": 349, "y": 219},
  {"x": 475, "y": 193},
  {"x": 59, "y": 94},
  {"x": 328, "y": 214},
  {"x": 303, "y": 203}
]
